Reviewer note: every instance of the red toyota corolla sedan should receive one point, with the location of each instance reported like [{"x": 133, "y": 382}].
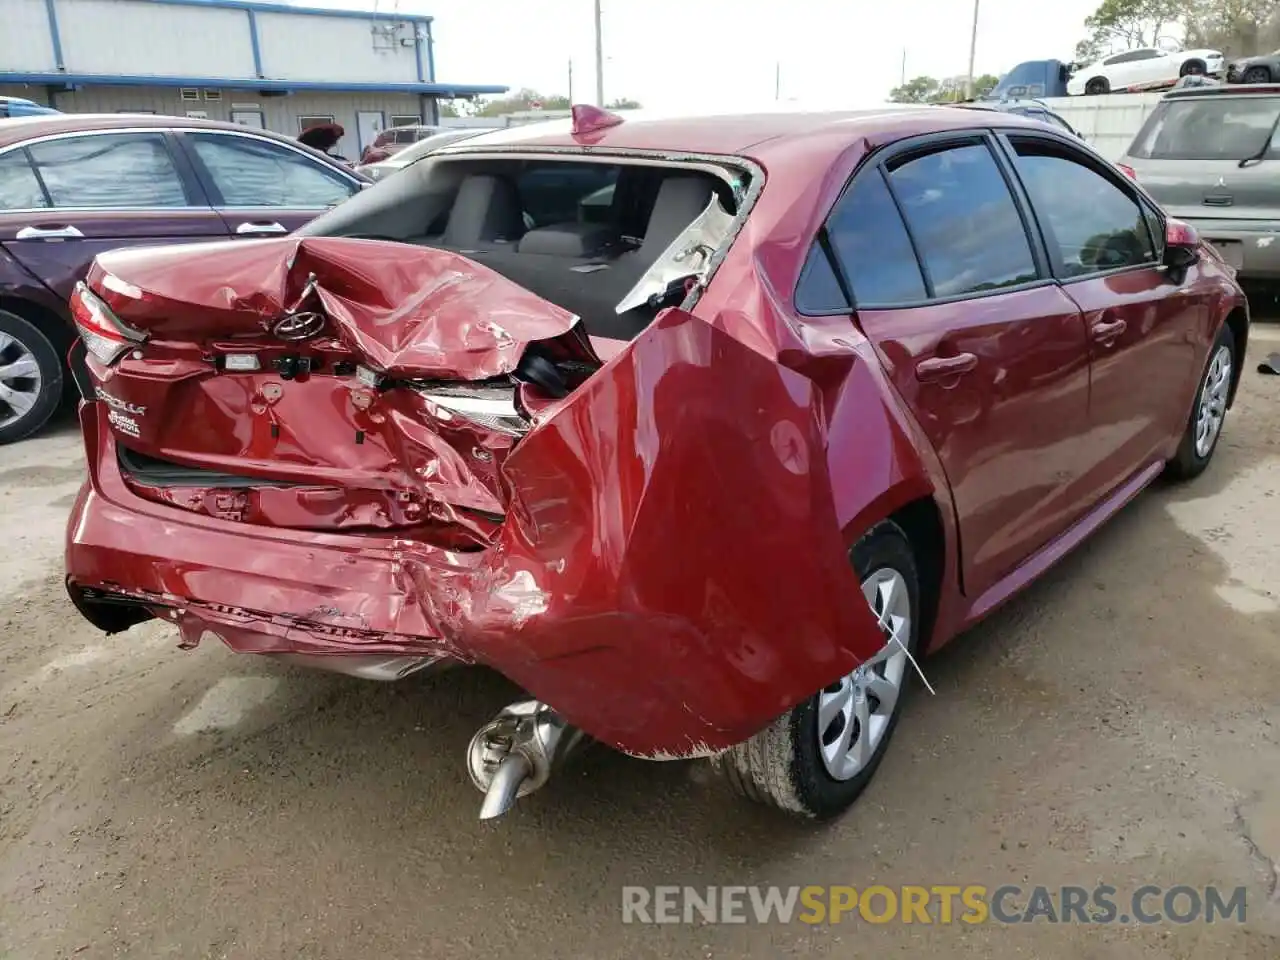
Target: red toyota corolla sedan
[{"x": 699, "y": 430}]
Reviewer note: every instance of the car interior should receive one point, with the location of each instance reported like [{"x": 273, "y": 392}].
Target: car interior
[{"x": 579, "y": 234}]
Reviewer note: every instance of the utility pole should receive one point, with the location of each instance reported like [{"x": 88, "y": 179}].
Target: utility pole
[
  {"x": 904, "y": 66},
  {"x": 599, "y": 59},
  {"x": 777, "y": 80},
  {"x": 973, "y": 50},
  {"x": 571, "y": 81}
]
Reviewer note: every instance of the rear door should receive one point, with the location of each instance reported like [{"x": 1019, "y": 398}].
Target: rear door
[
  {"x": 1105, "y": 244},
  {"x": 69, "y": 198},
  {"x": 261, "y": 187},
  {"x": 989, "y": 354}
]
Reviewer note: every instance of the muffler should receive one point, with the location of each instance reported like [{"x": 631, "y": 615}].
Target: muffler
[{"x": 515, "y": 753}]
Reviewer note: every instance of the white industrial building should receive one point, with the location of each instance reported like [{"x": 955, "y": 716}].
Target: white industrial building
[{"x": 259, "y": 64}]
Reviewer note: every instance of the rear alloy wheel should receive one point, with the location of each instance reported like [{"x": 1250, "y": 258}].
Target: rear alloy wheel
[
  {"x": 30, "y": 378},
  {"x": 1257, "y": 75},
  {"x": 1192, "y": 68},
  {"x": 1204, "y": 428},
  {"x": 817, "y": 758},
  {"x": 1097, "y": 86}
]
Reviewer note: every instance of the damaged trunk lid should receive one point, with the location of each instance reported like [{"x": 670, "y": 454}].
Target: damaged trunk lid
[{"x": 325, "y": 383}]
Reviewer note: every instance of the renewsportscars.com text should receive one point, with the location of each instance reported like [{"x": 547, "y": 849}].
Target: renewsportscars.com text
[{"x": 941, "y": 904}]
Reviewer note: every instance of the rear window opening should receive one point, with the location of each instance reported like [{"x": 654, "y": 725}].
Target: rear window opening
[
  {"x": 1210, "y": 128},
  {"x": 611, "y": 242}
]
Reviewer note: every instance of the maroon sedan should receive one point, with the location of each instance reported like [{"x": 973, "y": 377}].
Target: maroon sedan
[
  {"x": 72, "y": 186},
  {"x": 701, "y": 431}
]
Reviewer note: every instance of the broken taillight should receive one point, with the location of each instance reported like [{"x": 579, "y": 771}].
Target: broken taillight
[
  {"x": 103, "y": 333},
  {"x": 489, "y": 406},
  {"x": 1127, "y": 170}
]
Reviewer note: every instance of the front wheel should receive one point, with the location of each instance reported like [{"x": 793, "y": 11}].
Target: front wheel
[
  {"x": 817, "y": 758},
  {"x": 1257, "y": 75},
  {"x": 30, "y": 378},
  {"x": 1204, "y": 428}
]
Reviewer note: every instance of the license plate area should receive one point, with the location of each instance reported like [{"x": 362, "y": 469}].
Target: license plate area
[{"x": 1232, "y": 251}]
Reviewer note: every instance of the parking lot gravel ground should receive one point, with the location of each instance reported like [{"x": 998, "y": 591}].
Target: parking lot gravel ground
[{"x": 1117, "y": 723}]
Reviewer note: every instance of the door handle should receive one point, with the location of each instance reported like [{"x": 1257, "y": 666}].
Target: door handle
[
  {"x": 1106, "y": 331},
  {"x": 940, "y": 368},
  {"x": 66, "y": 232},
  {"x": 260, "y": 227}
]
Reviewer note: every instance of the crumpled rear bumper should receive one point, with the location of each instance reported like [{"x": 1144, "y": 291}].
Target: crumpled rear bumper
[{"x": 670, "y": 576}]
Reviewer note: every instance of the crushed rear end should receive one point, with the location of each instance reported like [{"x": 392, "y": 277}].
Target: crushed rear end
[{"x": 391, "y": 455}]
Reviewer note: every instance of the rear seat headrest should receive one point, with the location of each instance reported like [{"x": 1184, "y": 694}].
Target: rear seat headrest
[
  {"x": 680, "y": 200},
  {"x": 486, "y": 209}
]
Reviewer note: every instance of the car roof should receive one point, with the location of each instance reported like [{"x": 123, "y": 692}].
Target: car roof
[
  {"x": 776, "y": 133},
  {"x": 1225, "y": 90},
  {"x": 16, "y": 129}
]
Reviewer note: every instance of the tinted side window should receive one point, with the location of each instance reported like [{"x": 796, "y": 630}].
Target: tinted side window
[
  {"x": 964, "y": 221},
  {"x": 19, "y": 188},
  {"x": 115, "y": 170},
  {"x": 254, "y": 173},
  {"x": 1097, "y": 226},
  {"x": 873, "y": 247}
]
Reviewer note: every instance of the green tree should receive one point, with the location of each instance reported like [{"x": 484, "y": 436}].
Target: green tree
[
  {"x": 1236, "y": 27},
  {"x": 1128, "y": 24},
  {"x": 624, "y": 103},
  {"x": 919, "y": 90}
]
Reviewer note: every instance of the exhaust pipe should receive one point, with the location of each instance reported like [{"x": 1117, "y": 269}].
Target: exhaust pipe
[{"x": 515, "y": 753}]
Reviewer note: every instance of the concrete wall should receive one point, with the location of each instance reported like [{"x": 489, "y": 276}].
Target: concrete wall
[
  {"x": 328, "y": 49},
  {"x": 146, "y": 38},
  {"x": 1108, "y": 122},
  {"x": 134, "y": 37},
  {"x": 280, "y": 114},
  {"x": 25, "y": 43}
]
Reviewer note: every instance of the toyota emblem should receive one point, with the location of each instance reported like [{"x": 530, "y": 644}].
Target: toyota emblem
[{"x": 298, "y": 326}]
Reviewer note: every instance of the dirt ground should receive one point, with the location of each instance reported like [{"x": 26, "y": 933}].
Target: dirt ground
[{"x": 1118, "y": 723}]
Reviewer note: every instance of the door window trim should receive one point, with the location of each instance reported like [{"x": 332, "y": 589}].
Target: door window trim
[
  {"x": 191, "y": 188},
  {"x": 1103, "y": 169},
  {"x": 210, "y": 187},
  {"x": 876, "y": 164}
]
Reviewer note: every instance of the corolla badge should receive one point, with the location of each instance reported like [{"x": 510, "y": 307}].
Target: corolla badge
[{"x": 298, "y": 326}]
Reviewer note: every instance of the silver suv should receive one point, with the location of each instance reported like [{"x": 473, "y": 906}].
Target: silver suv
[{"x": 1210, "y": 156}]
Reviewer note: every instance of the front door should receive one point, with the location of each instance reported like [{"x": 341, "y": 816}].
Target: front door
[
  {"x": 985, "y": 349},
  {"x": 369, "y": 123},
  {"x": 94, "y": 192},
  {"x": 1106, "y": 246}
]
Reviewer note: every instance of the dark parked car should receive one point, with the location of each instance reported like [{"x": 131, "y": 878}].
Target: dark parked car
[
  {"x": 1034, "y": 109},
  {"x": 19, "y": 107},
  {"x": 1264, "y": 68},
  {"x": 72, "y": 186},
  {"x": 701, "y": 470},
  {"x": 1211, "y": 156}
]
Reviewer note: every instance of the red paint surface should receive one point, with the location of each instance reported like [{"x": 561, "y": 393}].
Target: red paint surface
[{"x": 662, "y": 558}]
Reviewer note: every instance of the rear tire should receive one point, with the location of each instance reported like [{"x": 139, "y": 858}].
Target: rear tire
[
  {"x": 789, "y": 764},
  {"x": 1208, "y": 414},
  {"x": 30, "y": 378},
  {"x": 1193, "y": 68},
  {"x": 1257, "y": 75},
  {"x": 1097, "y": 86}
]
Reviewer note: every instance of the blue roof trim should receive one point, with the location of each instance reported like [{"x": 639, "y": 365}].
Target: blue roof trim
[
  {"x": 260, "y": 7},
  {"x": 249, "y": 83}
]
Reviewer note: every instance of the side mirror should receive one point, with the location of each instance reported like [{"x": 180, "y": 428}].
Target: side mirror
[{"x": 1181, "y": 244}]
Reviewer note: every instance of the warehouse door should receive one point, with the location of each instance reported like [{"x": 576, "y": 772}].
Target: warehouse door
[{"x": 369, "y": 123}]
